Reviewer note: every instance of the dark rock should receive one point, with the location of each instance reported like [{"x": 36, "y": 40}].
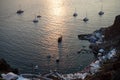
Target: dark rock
[
  {"x": 84, "y": 36},
  {"x": 101, "y": 76},
  {"x": 94, "y": 48},
  {"x": 106, "y": 76},
  {"x": 116, "y": 75},
  {"x": 16, "y": 71},
  {"x": 114, "y": 30},
  {"x": 117, "y": 21},
  {"x": 116, "y": 66},
  {"x": 5, "y": 67},
  {"x": 109, "y": 70}
]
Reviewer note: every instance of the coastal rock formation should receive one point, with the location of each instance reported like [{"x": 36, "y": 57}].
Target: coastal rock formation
[
  {"x": 114, "y": 30},
  {"x": 110, "y": 70},
  {"x": 5, "y": 67}
]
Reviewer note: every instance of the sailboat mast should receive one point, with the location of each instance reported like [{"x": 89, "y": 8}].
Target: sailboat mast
[
  {"x": 86, "y": 13},
  {"x": 101, "y": 5},
  {"x": 20, "y": 6},
  {"x": 75, "y": 10}
]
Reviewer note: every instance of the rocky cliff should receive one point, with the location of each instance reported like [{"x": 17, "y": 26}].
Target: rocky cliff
[
  {"x": 5, "y": 67},
  {"x": 110, "y": 70},
  {"x": 114, "y": 30}
]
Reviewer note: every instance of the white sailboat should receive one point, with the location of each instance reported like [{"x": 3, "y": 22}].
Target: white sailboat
[
  {"x": 75, "y": 13},
  {"x": 86, "y": 18},
  {"x": 101, "y": 11},
  {"x": 35, "y": 20}
]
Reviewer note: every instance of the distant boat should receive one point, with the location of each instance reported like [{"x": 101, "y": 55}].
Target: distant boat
[
  {"x": 60, "y": 39},
  {"x": 19, "y": 11},
  {"x": 57, "y": 60},
  {"x": 86, "y": 19},
  {"x": 38, "y": 16},
  {"x": 75, "y": 14},
  {"x": 35, "y": 20},
  {"x": 101, "y": 12}
]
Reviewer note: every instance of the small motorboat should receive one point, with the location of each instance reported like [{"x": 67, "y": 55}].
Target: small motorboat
[
  {"x": 101, "y": 13},
  {"x": 39, "y": 16},
  {"x": 60, "y": 39},
  {"x": 19, "y": 11},
  {"x": 85, "y": 19},
  {"x": 57, "y": 60}
]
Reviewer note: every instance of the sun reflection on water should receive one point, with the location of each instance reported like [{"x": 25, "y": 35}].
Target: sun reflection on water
[
  {"x": 57, "y": 7},
  {"x": 55, "y": 25}
]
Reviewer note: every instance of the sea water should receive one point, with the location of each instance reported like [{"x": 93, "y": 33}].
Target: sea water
[{"x": 25, "y": 44}]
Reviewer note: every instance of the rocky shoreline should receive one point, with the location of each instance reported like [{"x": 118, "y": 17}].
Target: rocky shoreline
[{"x": 110, "y": 36}]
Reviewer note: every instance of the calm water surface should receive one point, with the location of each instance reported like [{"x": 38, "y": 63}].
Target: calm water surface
[{"x": 23, "y": 43}]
